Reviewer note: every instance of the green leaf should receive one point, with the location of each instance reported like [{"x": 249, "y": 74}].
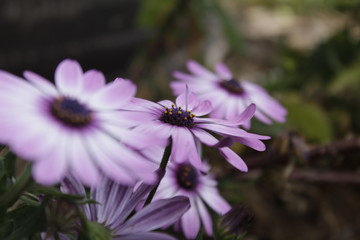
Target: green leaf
[
  {"x": 200, "y": 235},
  {"x": 348, "y": 80},
  {"x": 308, "y": 119},
  {"x": 23, "y": 222}
]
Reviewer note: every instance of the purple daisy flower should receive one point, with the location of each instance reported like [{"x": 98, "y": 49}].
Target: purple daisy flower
[
  {"x": 185, "y": 180},
  {"x": 74, "y": 126},
  {"x": 228, "y": 96},
  {"x": 184, "y": 124},
  {"x": 115, "y": 203}
]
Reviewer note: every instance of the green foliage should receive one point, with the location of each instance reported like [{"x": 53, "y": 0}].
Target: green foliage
[{"x": 308, "y": 119}]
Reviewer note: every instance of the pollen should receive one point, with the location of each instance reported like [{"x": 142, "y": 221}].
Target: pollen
[{"x": 178, "y": 117}]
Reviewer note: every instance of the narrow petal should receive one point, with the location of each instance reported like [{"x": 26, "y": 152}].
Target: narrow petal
[
  {"x": 233, "y": 159},
  {"x": 212, "y": 198},
  {"x": 252, "y": 142},
  {"x": 156, "y": 215},
  {"x": 69, "y": 77},
  {"x": 204, "y": 136},
  {"x": 82, "y": 164},
  {"x": 204, "y": 216},
  {"x": 187, "y": 100},
  {"x": 181, "y": 142},
  {"x": 199, "y": 70},
  {"x": 114, "y": 95},
  {"x": 43, "y": 84},
  {"x": 190, "y": 222},
  {"x": 223, "y": 71}
]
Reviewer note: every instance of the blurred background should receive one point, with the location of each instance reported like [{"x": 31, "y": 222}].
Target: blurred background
[{"x": 306, "y": 53}]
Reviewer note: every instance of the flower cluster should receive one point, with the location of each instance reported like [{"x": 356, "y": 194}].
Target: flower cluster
[{"x": 84, "y": 132}]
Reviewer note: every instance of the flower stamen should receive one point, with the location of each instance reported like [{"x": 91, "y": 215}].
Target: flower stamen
[
  {"x": 70, "y": 112},
  {"x": 232, "y": 86},
  {"x": 187, "y": 176},
  {"x": 177, "y": 116}
]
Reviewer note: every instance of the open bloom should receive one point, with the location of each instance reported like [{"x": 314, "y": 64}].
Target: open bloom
[
  {"x": 115, "y": 203},
  {"x": 185, "y": 180},
  {"x": 184, "y": 124},
  {"x": 228, "y": 95},
  {"x": 74, "y": 126}
]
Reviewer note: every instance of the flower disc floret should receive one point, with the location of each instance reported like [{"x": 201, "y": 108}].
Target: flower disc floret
[
  {"x": 178, "y": 117},
  {"x": 71, "y": 112},
  {"x": 232, "y": 86},
  {"x": 187, "y": 177}
]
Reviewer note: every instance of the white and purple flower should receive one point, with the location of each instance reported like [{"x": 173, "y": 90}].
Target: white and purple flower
[
  {"x": 185, "y": 180},
  {"x": 184, "y": 123},
  {"x": 73, "y": 127},
  {"x": 228, "y": 95},
  {"x": 116, "y": 203}
]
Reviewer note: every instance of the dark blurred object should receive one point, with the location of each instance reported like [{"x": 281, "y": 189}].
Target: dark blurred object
[
  {"x": 38, "y": 34},
  {"x": 237, "y": 221}
]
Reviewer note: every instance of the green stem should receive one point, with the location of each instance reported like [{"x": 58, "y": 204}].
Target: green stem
[{"x": 162, "y": 167}]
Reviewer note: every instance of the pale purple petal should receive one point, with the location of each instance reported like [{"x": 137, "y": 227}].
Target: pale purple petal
[
  {"x": 187, "y": 100},
  {"x": 166, "y": 103},
  {"x": 203, "y": 108},
  {"x": 204, "y": 216},
  {"x": 112, "y": 169},
  {"x": 233, "y": 159},
  {"x": 51, "y": 168},
  {"x": 204, "y": 136},
  {"x": 181, "y": 142},
  {"x": 199, "y": 70},
  {"x": 69, "y": 77},
  {"x": 156, "y": 215},
  {"x": 190, "y": 222},
  {"x": 223, "y": 71},
  {"x": 114, "y": 95},
  {"x": 212, "y": 198},
  {"x": 82, "y": 164},
  {"x": 43, "y": 84},
  {"x": 252, "y": 142},
  {"x": 93, "y": 81},
  {"x": 187, "y": 78}
]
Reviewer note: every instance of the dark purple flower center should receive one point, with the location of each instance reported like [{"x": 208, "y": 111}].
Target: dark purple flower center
[
  {"x": 232, "y": 86},
  {"x": 187, "y": 176},
  {"x": 70, "y": 112},
  {"x": 178, "y": 116}
]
